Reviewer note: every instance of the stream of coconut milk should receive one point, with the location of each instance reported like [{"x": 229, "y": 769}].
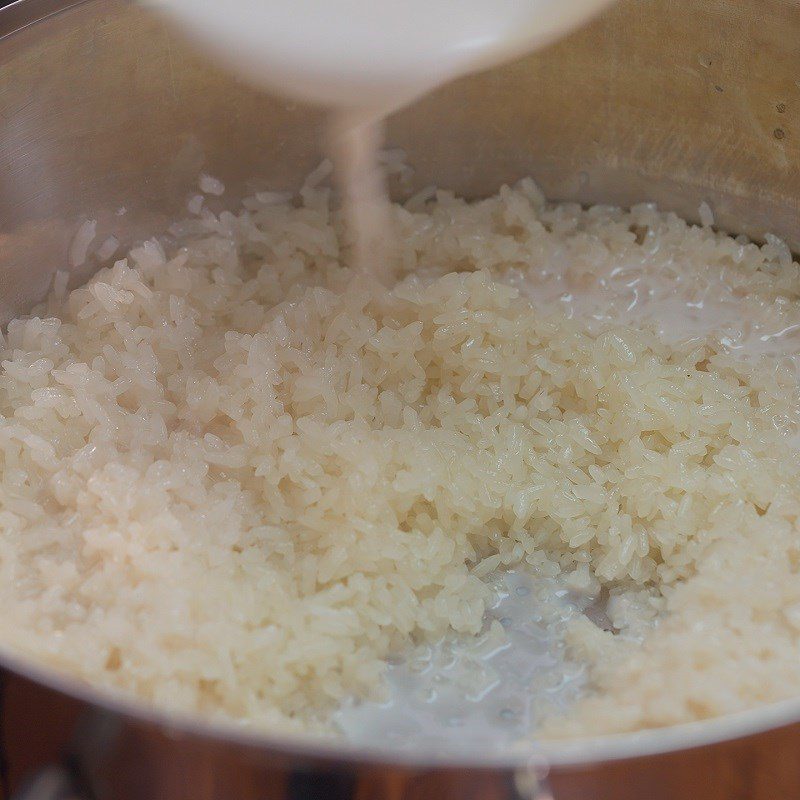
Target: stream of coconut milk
[
  {"x": 364, "y": 61},
  {"x": 355, "y": 140}
]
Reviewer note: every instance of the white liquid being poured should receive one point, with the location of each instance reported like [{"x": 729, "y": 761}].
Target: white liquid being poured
[
  {"x": 355, "y": 140},
  {"x": 365, "y": 60}
]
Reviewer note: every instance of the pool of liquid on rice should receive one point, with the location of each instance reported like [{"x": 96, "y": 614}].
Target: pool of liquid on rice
[{"x": 487, "y": 692}]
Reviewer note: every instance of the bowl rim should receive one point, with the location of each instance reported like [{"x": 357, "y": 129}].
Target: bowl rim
[{"x": 21, "y": 15}]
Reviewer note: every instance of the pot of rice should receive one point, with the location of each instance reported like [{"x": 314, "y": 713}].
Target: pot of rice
[{"x": 524, "y": 523}]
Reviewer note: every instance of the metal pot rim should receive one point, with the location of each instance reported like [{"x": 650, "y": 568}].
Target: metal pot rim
[
  {"x": 23, "y": 14},
  {"x": 319, "y": 748}
]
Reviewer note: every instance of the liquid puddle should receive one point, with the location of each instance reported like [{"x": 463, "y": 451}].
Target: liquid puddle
[{"x": 480, "y": 694}]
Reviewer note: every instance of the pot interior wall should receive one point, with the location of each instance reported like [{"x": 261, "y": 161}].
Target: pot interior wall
[{"x": 104, "y": 107}]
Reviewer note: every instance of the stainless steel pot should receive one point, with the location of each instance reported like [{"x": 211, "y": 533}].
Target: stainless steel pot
[{"x": 102, "y": 107}]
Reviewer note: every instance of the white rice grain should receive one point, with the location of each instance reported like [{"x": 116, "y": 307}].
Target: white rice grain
[
  {"x": 211, "y": 185},
  {"x": 107, "y": 248},
  {"x": 79, "y": 247},
  {"x": 706, "y": 215}
]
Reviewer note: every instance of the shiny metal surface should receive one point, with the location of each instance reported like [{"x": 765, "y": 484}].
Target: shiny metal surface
[
  {"x": 102, "y": 107},
  {"x": 675, "y": 101}
]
